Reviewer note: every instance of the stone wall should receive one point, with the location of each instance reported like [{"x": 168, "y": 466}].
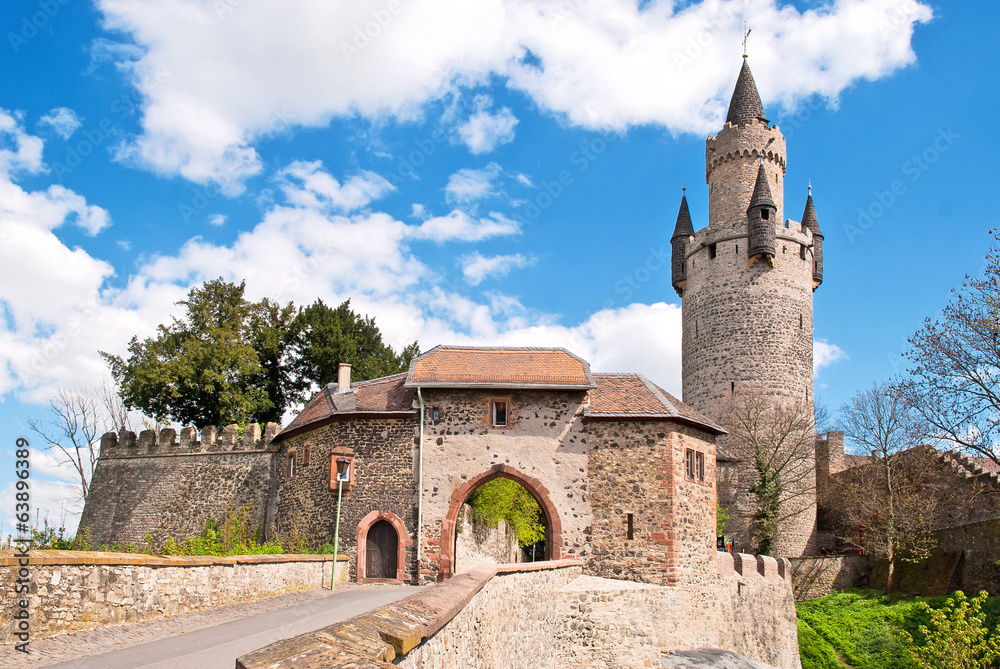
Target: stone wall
[
  {"x": 748, "y": 609},
  {"x": 546, "y": 615},
  {"x": 980, "y": 544},
  {"x": 74, "y": 590},
  {"x": 165, "y": 486},
  {"x": 637, "y": 469},
  {"x": 817, "y": 576},
  {"x": 382, "y": 480},
  {"x": 544, "y": 444},
  {"x": 478, "y": 542}
]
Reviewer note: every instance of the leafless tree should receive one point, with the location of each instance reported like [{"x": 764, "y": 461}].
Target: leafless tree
[
  {"x": 78, "y": 418},
  {"x": 884, "y": 509},
  {"x": 775, "y": 440},
  {"x": 955, "y": 364}
]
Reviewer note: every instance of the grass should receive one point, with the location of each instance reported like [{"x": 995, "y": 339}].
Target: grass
[{"x": 862, "y": 629}]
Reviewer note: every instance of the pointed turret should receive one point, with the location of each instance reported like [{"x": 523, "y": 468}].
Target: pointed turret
[
  {"x": 809, "y": 222},
  {"x": 683, "y": 231},
  {"x": 761, "y": 215},
  {"x": 745, "y": 106}
]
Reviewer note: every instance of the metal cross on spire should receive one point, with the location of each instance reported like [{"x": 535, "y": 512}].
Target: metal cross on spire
[{"x": 746, "y": 33}]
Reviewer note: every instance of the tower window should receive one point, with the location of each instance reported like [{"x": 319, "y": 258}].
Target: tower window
[
  {"x": 682, "y": 268},
  {"x": 800, "y": 321},
  {"x": 732, "y": 388},
  {"x": 737, "y": 248},
  {"x": 630, "y": 532},
  {"x": 712, "y": 250},
  {"x": 765, "y": 214}
]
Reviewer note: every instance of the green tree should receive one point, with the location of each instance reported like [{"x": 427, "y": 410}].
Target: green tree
[
  {"x": 505, "y": 499},
  {"x": 202, "y": 369},
  {"x": 957, "y": 637},
  {"x": 229, "y": 360},
  {"x": 330, "y": 336}
]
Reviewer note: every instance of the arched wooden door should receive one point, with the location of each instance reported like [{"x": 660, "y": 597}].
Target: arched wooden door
[{"x": 381, "y": 550}]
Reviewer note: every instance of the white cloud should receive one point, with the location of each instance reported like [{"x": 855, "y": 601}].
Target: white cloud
[
  {"x": 469, "y": 185},
  {"x": 62, "y": 120},
  {"x": 418, "y": 211},
  {"x": 825, "y": 353},
  {"x": 217, "y": 220},
  {"x": 319, "y": 190},
  {"x": 484, "y": 131},
  {"x": 477, "y": 267},
  {"x": 598, "y": 64}
]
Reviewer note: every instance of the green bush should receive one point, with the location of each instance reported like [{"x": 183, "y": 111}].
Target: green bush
[
  {"x": 866, "y": 629},
  {"x": 505, "y": 499}
]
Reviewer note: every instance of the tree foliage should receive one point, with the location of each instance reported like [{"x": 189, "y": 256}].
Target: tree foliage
[
  {"x": 505, "y": 499},
  {"x": 230, "y": 360},
  {"x": 957, "y": 637},
  {"x": 775, "y": 440},
  {"x": 955, "y": 364}
]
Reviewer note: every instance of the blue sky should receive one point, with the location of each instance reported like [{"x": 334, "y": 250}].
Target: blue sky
[{"x": 499, "y": 172}]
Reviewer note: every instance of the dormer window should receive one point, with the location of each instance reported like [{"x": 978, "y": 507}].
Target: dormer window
[{"x": 499, "y": 411}]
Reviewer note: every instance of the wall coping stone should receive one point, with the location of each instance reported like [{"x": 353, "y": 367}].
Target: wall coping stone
[
  {"x": 379, "y": 636},
  {"x": 10, "y": 558}
]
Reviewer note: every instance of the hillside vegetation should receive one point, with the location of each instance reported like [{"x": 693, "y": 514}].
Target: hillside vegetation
[{"x": 865, "y": 629}]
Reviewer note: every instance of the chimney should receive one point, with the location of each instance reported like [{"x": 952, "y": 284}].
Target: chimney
[{"x": 343, "y": 378}]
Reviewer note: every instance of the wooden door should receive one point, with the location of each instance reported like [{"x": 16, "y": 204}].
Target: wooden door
[{"x": 381, "y": 548}]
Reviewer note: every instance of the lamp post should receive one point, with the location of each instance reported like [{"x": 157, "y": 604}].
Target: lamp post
[{"x": 343, "y": 474}]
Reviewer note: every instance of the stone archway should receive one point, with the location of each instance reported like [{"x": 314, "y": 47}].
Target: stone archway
[
  {"x": 553, "y": 535},
  {"x": 403, "y": 541}
]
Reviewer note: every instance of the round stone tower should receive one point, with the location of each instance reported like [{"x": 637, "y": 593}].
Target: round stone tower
[{"x": 746, "y": 282}]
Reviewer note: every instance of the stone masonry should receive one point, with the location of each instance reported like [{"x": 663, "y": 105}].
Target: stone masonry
[
  {"x": 74, "y": 590},
  {"x": 747, "y": 322},
  {"x": 548, "y": 615},
  {"x": 168, "y": 487}
]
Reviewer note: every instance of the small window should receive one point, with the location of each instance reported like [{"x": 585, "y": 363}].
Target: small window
[
  {"x": 695, "y": 465},
  {"x": 630, "y": 531},
  {"x": 699, "y": 463},
  {"x": 499, "y": 414},
  {"x": 690, "y": 464},
  {"x": 801, "y": 321},
  {"x": 712, "y": 250},
  {"x": 436, "y": 415},
  {"x": 802, "y": 251},
  {"x": 305, "y": 456},
  {"x": 765, "y": 214},
  {"x": 737, "y": 249},
  {"x": 290, "y": 466},
  {"x": 732, "y": 388}
]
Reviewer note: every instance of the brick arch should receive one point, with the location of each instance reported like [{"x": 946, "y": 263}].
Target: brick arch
[
  {"x": 403, "y": 541},
  {"x": 553, "y": 534}
]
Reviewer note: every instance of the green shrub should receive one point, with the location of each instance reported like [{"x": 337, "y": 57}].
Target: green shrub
[{"x": 958, "y": 637}]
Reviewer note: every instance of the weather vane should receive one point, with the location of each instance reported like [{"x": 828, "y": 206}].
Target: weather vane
[{"x": 746, "y": 33}]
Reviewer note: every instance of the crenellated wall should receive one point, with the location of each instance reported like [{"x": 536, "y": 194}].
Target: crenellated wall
[{"x": 168, "y": 484}]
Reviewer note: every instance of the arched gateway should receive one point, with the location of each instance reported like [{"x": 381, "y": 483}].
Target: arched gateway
[{"x": 553, "y": 525}]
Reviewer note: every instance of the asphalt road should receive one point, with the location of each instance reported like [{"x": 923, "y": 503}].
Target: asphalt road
[{"x": 218, "y": 647}]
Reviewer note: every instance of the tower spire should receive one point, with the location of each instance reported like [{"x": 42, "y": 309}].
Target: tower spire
[
  {"x": 745, "y": 106},
  {"x": 683, "y": 230}
]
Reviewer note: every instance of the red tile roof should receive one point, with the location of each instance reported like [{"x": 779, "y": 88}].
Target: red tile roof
[
  {"x": 499, "y": 367},
  {"x": 632, "y": 396},
  {"x": 384, "y": 395}
]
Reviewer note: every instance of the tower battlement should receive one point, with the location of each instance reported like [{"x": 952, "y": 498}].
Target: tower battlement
[{"x": 168, "y": 442}]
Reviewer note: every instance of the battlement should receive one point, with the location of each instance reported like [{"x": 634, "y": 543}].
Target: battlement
[
  {"x": 753, "y": 566},
  {"x": 750, "y": 142},
  {"x": 168, "y": 442}
]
